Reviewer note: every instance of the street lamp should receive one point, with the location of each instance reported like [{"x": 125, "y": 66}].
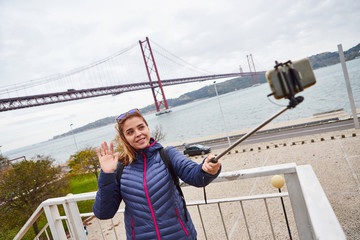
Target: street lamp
[
  {"x": 222, "y": 114},
  {"x": 72, "y": 132}
]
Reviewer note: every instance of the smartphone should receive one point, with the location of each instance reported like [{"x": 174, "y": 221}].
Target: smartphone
[{"x": 277, "y": 81}]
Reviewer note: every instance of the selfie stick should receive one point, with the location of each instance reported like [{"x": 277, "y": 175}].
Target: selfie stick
[
  {"x": 292, "y": 104},
  {"x": 216, "y": 159}
]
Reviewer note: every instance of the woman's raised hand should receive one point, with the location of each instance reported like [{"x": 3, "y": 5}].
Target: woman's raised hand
[{"x": 108, "y": 161}]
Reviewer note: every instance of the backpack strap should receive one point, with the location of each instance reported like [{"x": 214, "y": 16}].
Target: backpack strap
[
  {"x": 119, "y": 170},
  {"x": 166, "y": 159}
]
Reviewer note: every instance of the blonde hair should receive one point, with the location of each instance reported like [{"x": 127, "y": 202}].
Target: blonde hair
[{"x": 128, "y": 154}]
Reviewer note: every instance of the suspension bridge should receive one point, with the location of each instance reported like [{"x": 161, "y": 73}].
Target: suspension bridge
[{"x": 116, "y": 74}]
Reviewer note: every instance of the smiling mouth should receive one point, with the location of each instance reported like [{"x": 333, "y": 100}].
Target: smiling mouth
[{"x": 141, "y": 140}]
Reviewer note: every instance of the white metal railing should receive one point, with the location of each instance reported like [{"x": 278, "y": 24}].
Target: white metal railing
[{"x": 312, "y": 213}]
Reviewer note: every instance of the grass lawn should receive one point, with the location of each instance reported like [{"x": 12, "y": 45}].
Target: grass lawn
[{"x": 82, "y": 184}]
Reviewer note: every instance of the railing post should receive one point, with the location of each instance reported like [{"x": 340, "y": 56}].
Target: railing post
[
  {"x": 323, "y": 220},
  {"x": 55, "y": 224},
  {"x": 74, "y": 220},
  {"x": 348, "y": 87},
  {"x": 298, "y": 206}
]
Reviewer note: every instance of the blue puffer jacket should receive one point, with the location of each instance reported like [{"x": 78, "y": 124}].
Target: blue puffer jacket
[{"x": 153, "y": 206}]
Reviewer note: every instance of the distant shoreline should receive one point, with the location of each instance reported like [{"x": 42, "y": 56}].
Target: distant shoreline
[
  {"x": 320, "y": 60},
  {"x": 338, "y": 114}
]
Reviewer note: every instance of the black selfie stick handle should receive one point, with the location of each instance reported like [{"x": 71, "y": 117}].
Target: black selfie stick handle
[{"x": 292, "y": 104}]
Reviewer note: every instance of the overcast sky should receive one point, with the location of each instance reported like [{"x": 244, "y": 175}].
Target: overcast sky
[{"x": 39, "y": 38}]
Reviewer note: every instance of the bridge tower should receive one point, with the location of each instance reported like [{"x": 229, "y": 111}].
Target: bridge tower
[
  {"x": 250, "y": 57},
  {"x": 252, "y": 60},
  {"x": 151, "y": 69}
]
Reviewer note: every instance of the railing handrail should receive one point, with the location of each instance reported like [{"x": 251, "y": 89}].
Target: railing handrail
[
  {"x": 36, "y": 214},
  {"x": 226, "y": 176},
  {"x": 210, "y": 201},
  {"x": 314, "y": 216}
]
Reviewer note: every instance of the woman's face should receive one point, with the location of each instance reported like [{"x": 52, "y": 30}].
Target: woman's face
[{"x": 136, "y": 132}]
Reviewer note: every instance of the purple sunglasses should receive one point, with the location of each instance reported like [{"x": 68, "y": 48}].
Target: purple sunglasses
[{"x": 121, "y": 116}]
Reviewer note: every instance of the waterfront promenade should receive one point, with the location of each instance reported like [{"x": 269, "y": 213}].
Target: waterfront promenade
[{"x": 334, "y": 156}]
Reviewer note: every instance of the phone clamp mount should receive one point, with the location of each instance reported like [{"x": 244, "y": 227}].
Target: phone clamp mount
[{"x": 290, "y": 84}]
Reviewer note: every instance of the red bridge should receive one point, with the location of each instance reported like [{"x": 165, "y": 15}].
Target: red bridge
[{"x": 104, "y": 72}]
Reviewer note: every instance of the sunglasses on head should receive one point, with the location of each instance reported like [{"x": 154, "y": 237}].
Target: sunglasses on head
[{"x": 121, "y": 116}]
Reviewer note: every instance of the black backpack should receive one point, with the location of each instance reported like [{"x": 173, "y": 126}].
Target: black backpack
[{"x": 165, "y": 157}]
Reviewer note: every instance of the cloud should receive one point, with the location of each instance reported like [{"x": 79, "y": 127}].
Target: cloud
[{"x": 40, "y": 38}]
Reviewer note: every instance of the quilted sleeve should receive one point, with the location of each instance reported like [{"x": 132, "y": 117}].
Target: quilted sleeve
[
  {"x": 108, "y": 197},
  {"x": 188, "y": 170}
]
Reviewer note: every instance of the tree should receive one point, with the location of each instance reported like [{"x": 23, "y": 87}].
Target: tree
[
  {"x": 85, "y": 161},
  {"x": 4, "y": 162},
  {"x": 157, "y": 133},
  {"x": 24, "y": 185}
]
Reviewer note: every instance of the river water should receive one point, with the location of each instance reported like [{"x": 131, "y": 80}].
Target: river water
[{"x": 241, "y": 109}]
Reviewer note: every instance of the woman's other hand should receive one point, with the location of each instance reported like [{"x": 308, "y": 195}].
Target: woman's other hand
[
  {"x": 108, "y": 161},
  {"x": 209, "y": 167}
]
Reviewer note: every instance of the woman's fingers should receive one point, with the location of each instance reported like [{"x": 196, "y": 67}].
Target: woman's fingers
[
  {"x": 98, "y": 153},
  {"x": 111, "y": 148},
  {"x": 117, "y": 156},
  {"x": 108, "y": 161},
  {"x": 209, "y": 157},
  {"x": 102, "y": 150},
  {"x": 105, "y": 153},
  {"x": 209, "y": 167},
  {"x": 106, "y": 149}
]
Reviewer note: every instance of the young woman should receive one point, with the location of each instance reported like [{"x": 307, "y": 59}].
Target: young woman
[{"x": 153, "y": 206}]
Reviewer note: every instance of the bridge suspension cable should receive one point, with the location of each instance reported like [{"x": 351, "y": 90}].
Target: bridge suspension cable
[
  {"x": 182, "y": 62},
  {"x": 58, "y": 76}
]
